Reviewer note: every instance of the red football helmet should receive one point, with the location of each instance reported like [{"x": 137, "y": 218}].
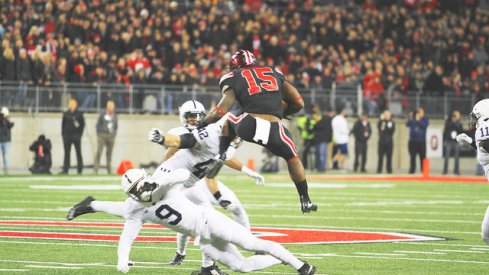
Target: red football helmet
[{"x": 241, "y": 59}]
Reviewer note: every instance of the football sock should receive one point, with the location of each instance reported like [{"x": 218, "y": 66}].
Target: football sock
[
  {"x": 258, "y": 262},
  {"x": 109, "y": 207},
  {"x": 182, "y": 241},
  {"x": 302, "y": 189},
  {"x": 485, "y": 227}
]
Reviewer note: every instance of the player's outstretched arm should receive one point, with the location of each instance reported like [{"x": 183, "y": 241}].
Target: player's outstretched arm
[
  {"x": 237, "y": 165},
  {"x": 129, "y": 234},
  {"x": 224, "y": 105},
  {"x": 180, "y": 142},
  {"x": 293, "y": 100}
]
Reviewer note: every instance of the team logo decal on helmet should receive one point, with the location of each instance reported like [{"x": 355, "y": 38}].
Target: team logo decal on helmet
[{"x": 241, "y": 59}]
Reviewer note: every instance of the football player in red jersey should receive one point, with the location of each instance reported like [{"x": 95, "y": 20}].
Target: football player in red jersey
[{"x": 266, "y": 97}]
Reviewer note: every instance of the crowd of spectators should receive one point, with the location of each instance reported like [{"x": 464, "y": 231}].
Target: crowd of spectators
[{"x": 432, "y": 47}]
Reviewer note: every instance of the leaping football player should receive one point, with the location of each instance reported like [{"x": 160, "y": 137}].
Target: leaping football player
[{"x": 266, "y": 97}]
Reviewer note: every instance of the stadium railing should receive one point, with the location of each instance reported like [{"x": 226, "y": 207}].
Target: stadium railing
[{"x": 165, "y": 99}]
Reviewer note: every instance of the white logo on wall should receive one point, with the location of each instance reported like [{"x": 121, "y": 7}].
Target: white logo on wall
[{"x": 434, "y": 142}]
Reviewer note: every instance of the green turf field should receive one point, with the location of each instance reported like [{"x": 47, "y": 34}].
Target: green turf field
[{"x": 452, "y": 211}]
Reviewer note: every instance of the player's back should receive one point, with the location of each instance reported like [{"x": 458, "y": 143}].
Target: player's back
[
  {"x": 174, "y": 211},
  {"x": 482, "y": 133},
  {"x": 257, "y": 89}
]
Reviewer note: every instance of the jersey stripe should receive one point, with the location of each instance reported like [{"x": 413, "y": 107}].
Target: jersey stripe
[{"x": 287, "y": 140}]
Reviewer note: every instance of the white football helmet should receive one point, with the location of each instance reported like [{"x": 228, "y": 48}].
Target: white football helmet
[
  {"x": 479, "y": 113},
  {"x": 130, "y": 181},
  {"x": 192, "y": 107}
]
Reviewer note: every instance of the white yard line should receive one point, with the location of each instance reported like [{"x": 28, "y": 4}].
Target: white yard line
[
  {"x": 378, "y": 254},
  {"x": 419, "y": 252},
  {"x": 443, "y": 244},
  {"x": 459, "y": 251},
  {"x": 13, "y": 270},
  {"x": 53, "y": 263},
  {"x": 411, "y": 259},
  {"x": 54, "y": 267},
  {"x": 92, "y": 244}
]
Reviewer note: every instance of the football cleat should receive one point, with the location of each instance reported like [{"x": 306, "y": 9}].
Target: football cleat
[
  {"x": 307, "y": 269},
  {"x": 81, "y": 208},
  {"x": 177, "y": 260},
  {"x": 210, "y": 270},
  {"x": 307, "y": 206}
]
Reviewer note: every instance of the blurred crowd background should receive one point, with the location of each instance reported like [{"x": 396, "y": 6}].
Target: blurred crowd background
[{"x": 427, "y": 47}]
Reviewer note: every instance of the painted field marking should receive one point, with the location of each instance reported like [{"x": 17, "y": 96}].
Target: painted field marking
[
  {"x": 280, "y": 235},
  {"x": 448, "y": 244},
  {"x": 411, "y": 259},
  {"x": 419, "y": 252},
  {"x": 36, "y": 264},
  {"x": 18, "y": 209},
  {"x": 379, "y": 254},
  {"x": 459, "y": 251},
  {"x": 479, "y": 248},
  {"x": 366, "y": 218},
  {"x": 52, "y": 263},
  {"x": 54, "y": 267},
  {"x": 336, "y": 185},
  {"x": 13, "y": 270},
  {"x": 100, "y": 187},
  {"x": 92, "y": 244}
]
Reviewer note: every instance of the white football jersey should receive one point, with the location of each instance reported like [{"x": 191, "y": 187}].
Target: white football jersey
[
  {"x": 196, "y": 158},
  {"x": 174, "y": 211},
  {"x": 482, "y": 133}
]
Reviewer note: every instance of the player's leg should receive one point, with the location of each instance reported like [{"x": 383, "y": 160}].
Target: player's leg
[
  {"x": 230, "y": 256},
  {"x": 223, "y": 229},
  {"x": 196, "y": 194},
  {"x": 281, "y": 144},
  {"x": 238, "y": 212},
  {"x": 182, "y": 242},
  {"x": 485, "y": 227}
]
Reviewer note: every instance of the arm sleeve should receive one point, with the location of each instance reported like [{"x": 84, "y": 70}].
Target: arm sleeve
[
  {"x": 485, "y": 145},
  {"x": 187, "y": 141},
  {"x": 226, "y": 81},
  {"x": 129, "y": 234}
]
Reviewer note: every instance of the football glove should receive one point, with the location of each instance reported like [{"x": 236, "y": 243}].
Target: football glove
[
  {"x": 123, "y": 266},
  {"x": 464, "y": 139},
  {"x": 213, "y": 167},
  {"x": 226, "y": 204},
  {"x": 155, "y": 135},
  {"x": 259, "y": 179}
]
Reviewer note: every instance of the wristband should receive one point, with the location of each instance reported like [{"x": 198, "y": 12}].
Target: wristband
[
  {"x": 162, "y": 142},
  {"x": 220, "y": 111}
]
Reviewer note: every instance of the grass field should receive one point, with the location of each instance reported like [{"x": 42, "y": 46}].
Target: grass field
[{"x": 451, "y": 211}]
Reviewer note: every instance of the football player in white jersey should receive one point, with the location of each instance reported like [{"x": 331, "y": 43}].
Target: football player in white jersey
[
  {"x": 160, "y": 200},
  {"x": 479, "y": 121}
]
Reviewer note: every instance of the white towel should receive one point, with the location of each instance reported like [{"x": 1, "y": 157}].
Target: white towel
[{"x": 262, "y": 130}]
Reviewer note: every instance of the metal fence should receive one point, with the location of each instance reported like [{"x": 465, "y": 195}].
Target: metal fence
[{"x": 165, "y": 99}]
